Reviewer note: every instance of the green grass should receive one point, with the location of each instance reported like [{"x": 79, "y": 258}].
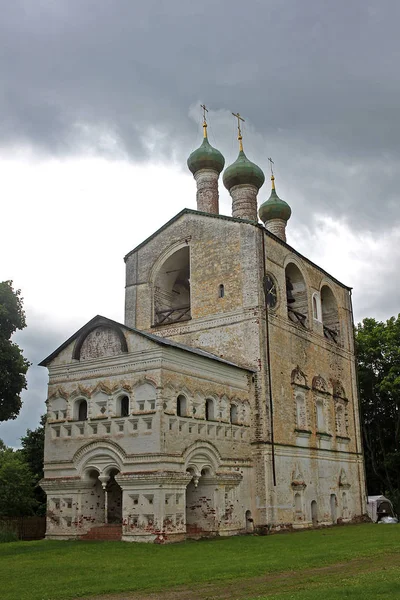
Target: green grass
[{"x": 50, "y": 570}]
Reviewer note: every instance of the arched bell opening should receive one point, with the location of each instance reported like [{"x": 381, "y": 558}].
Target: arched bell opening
[
  {"x": 172, "y": 289},
  {"x": 330, "y": 315},
  {"x": 296, "y": 295}
]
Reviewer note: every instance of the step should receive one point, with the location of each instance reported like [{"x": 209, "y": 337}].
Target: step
[{"x": 104, "y": 532}]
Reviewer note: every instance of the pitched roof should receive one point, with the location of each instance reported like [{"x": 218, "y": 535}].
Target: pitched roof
[{"x": 98, "y": 320}]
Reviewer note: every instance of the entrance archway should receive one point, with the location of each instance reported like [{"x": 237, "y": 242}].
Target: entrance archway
[
  {"x": 114, "y": 499},
  {"x": 200, "y": 505}
]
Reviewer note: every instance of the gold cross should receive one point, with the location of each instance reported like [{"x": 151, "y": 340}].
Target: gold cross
[
  {"x": 272, "y": 173},
  {"x": 239, "y": 118},
  {"x": 203, "y": 106}
]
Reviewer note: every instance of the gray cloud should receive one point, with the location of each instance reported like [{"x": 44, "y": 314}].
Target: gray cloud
[
  {"x": 316, "y": 81},
  {"x": 37, "y": 341}
]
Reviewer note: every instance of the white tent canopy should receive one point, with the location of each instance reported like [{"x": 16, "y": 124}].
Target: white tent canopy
[{"x": 378, "y": 507}]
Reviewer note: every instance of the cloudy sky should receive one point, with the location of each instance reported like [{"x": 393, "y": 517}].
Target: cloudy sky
[{"x": 99, "y": 109}]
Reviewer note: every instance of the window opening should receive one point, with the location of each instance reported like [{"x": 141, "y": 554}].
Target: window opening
[
  {"x": 181, "y": 406},
  {"x": 221, "y": 291},
  {"x": 209, "y": 410},
  {"x": 234, "y": 414},
  {"x": 82, "y": 410},
  {"x": 124, "y": 406}
]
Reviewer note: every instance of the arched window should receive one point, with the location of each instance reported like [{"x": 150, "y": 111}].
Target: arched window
[
  {"x": 234, "y": 414},
  {"x": 145, "y": 397},
  {"x": 330, "y": 314},
  {"x": 124, "y": 406},
  {"x": 301, "y": 418},
  {"x": 210, "y": 412},
  {"x": 340, "y": 421},
  {"x": 316, "y": 306},
  {"x": 82, "y": 410},
  {"x": 221, "y": 290},
  {"x": 314, "y": 513},
  {"x": 320, "y": 415},
  {"x": 181, "y": 406},
  {"x": 333, "y": 503},
  {"x": 172, "y": 289},
  {"x": 296, "y": 295},
  {"x": 298, "y": 506}
]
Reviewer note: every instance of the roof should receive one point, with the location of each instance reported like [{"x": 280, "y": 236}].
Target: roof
[
  {"x": 190, "y": 211},
  {"x": 98, "y": 320}
]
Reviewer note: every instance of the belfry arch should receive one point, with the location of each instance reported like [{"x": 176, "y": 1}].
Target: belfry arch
[{"x": 171, "y": 297}]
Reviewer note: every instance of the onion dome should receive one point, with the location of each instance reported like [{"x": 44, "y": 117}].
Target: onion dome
[
  {"x": 243, "y": 172},
  {"x": 206, "y": 157},
  {"x": 274, "y": 207}
]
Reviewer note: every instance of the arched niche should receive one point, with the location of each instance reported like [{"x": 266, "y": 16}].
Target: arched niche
[
  {"x": 145, "y": 395},
  {"x": 58, "y": 408},
  {"x": 330, "y": 314},
  {"x": 172, "y": 289},
  {"x": 100, "y": 341},
  {"x": 296, "y": 295},
  {"x": 181, "y": 406},
  {"x": 80, "y": 412}
]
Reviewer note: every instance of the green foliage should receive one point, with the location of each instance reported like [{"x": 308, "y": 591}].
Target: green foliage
[
  {"x": 33, "y": 454},
  {"x": 378, "y": 355},
  {"x": 7, "y": 533},
  {"x": 16, "y": 485},
  {"x": 340, "y": 555},
  {"x": 13, "y": 366}
]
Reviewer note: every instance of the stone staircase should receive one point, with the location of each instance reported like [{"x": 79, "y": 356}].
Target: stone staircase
[{"x": 109, "y": 533}]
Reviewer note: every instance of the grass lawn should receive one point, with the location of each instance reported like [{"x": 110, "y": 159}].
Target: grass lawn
[{"x": 359, "y": 561}]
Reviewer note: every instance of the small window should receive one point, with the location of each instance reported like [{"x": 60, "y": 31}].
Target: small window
[
  {"x": 320, "y": 416},
  {"x": 181, "y": 406},
  {"x": 221, "y": 290},
  {"x": 124, "y": 406},
  {"x": 234, "y": 416},
  {"x": 210, "y": 413},
  {"x": 82, "y": 410}
]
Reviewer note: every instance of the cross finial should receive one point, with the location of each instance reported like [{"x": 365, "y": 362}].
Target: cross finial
[
  {"x": 205, "y": 110},
  {"x": 271, "y": 163},
  {"x": 239, "y": 118}
]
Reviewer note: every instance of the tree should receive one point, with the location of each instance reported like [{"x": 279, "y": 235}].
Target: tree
[
  {"x": 13, "y": 365},
  {"x": 16, "y": 485},
  {"x": 33, "y": 454},
  {"x": 378, "y": 355}
]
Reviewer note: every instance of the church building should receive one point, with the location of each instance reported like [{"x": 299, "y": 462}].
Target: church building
[{"x": 227, "y": 400}]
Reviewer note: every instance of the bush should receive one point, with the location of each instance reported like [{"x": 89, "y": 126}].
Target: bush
[{"x": 7, "y": 533}]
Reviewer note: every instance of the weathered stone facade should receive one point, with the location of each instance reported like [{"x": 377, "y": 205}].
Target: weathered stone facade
[{"x": 215, "y": 409}]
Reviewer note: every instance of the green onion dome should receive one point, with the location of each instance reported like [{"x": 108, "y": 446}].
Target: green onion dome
[
  {"x": 274, "y": 207},
  {"x": 206, "y": 157},
  {"x": 243, "y": 171}
]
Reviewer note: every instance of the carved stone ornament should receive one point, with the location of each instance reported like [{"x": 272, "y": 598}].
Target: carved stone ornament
[
  {"x": 102, "y": 341},
  {"x": 298, "y": 482},
  {"x": 319, "y": 383},
  {"x": 343, "y": 483},
  {"x": 298, "y": 377},
  {"x": 338, "y": 390}
]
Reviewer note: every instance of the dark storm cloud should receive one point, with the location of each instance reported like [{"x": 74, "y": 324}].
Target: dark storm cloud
[
  {"x": 316, "y": 80},
  {"x": 37, "y": 341}
]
